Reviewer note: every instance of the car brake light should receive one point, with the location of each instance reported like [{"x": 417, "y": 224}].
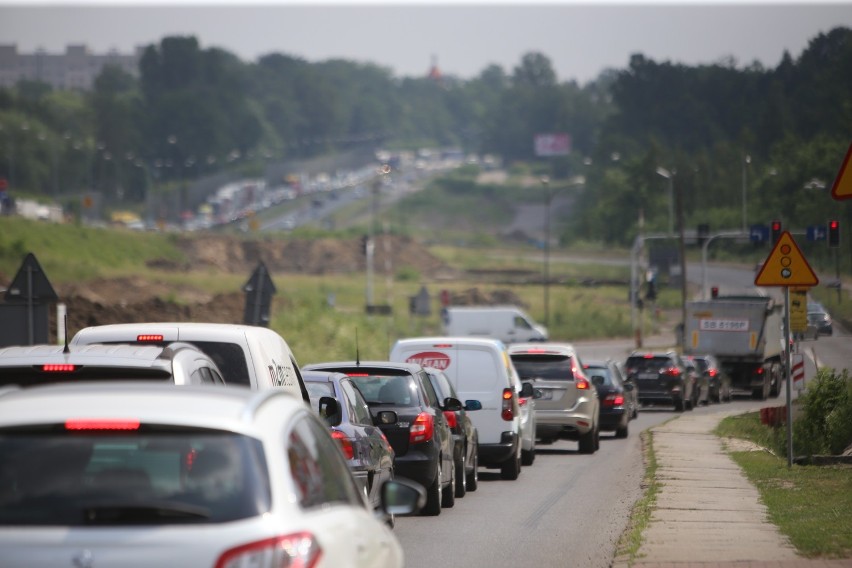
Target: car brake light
[
  {"x": 712, "y": 372},
  {"x": 672, "y": 372},
  {"x": 299, "y": 550},
  {"x": 101, "y": 424},
  {"x": 59, "y": 368},
  {"x": 149, "y": 338},
  {"x": 345, "y": 444},
  {"x": 759, "y": 371},
  {"x": 451, "y": 418},
  {"x": 357, "y": 375},
  {"x": 442, "y": 345},
  {"x": 648, "y": 356},
  {"x": 508, "y": 412},
  {"x": 522, "y": 401},
  {"x": 422, "y": 429},
  {"x": 613, "y": 400},
  {"x": 582, "y": 384}
]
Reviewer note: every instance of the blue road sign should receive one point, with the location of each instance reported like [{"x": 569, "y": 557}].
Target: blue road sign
[
  {"x": 817, "y": 232},
  {"x": 758, "y": 233}
]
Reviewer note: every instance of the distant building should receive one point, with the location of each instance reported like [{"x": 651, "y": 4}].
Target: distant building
[{"x": 75, "y": 69}]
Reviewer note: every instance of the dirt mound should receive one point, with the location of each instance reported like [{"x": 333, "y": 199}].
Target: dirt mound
[{"x": 314, "y": 256}]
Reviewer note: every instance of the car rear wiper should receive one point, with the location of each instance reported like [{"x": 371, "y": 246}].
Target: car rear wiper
[{"x": 137, "y": 513}]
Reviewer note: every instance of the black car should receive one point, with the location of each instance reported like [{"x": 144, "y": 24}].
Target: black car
[
  {"x": 718, "y": 381},
  {"x": 421, "y": 437},
  {"x": 368, "y": 453},
  {"x": 464, "y": 433},
  {"x": 661, "y": 378},
  {"x": 618, "y": 396},
  {"x": 821, "y": 321}
]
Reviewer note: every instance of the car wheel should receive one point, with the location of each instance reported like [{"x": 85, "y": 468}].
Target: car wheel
[
  {"x": 448, "y": 497},
  {"x": 473, "y": 476},
  {"x": 597, "y": 437},
  {"x": 679, "y": 405},
  {"x": 433, "y": 496},
  {"x": 622, "y": 431},
  {"x": 528, "y": 456},
  {"x": 511, "y": 468},
  {"x": 587, "y": 442},
  {"x": 461, "y": 477}
]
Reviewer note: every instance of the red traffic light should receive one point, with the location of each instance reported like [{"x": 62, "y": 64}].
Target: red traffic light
[
  {"x": 834, "y": 233},
  {"x": 714, "y": 292},
  {"x": 776, "y": 231}
]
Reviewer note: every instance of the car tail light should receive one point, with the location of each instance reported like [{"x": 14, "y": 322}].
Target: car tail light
[
  {"x": 357, "y": 375},
  {"x": 712, "y": 372},
  {"x": 149, "y": 338},
  {"x": 508, "y": 412},
  {"x": 522, "y": 401},
  {"x": 451, "y": 418},
  {"x": 582, "y": 384},
  {"x": 672, "y": 372},
  {"x": 299, "y": 550},
  {"x": 442, "y": 345},
  {"x": 345, "y": 444},
  {"x": 613, "y": 400},
  {"x": 758, "y": 371},
  {"x": 59, "y": 368},
  {"x": 101, "y": 424},
  {"x": 648, "y": 356},
  {"x": 422, "y": 429}
]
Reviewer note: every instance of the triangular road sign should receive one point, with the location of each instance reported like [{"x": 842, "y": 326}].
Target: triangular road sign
[
  {"x": 31, "y": 284},
  {"x": 786, "y": 266},
  {"x": 842, "y": 188}
]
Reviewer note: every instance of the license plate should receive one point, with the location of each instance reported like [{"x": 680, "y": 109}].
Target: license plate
[{"x": 646, "y": 376}]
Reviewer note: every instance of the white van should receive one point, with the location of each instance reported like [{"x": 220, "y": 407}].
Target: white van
[
  {"x": 255, "y": 357},
  {"x": 480, "y": 369},
  {"x": 509, "y": 324}
]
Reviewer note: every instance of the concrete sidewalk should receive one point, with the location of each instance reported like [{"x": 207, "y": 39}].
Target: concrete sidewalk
[{"x": 707, "y": 513}]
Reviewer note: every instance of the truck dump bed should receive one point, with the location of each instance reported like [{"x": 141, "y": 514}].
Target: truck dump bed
[{"x": 735, "y": 327}]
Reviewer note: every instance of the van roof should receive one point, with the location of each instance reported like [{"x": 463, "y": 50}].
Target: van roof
[{"x": 455, "y": 340}]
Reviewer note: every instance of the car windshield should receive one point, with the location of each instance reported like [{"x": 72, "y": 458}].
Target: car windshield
[
  {"x": 545, "y": 367},
  {"x": 57, "y": 475}
]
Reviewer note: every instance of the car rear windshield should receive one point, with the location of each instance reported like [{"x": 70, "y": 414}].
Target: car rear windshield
[
  {"x": 602, "y": 371},
  {"x": 545, "y": 367},
  {"x": 154, "y": 475},
  {"x": 33, "y": 375},
  {"x": 647, "y": 364},
  {"x": 391, "y": 390}
]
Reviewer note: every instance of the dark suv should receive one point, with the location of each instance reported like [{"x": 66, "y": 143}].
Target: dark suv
[
  {"x": 661, "y": 378},
  {"x": 420, "y": 437}
]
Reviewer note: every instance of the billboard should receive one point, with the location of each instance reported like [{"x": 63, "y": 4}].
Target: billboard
[{"x": 554, "y": 144}]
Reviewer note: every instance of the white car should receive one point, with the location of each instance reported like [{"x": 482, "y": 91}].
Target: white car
[{"x": 140, "y": 475}]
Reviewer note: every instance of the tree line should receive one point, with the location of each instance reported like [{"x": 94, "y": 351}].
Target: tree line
[{"x": 741, "y": 145}]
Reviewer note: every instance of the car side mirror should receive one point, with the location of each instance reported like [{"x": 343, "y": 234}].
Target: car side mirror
[
  {"x": 329, "y": 410},
  {"x": 385, "y": 417},
  {"x": 598, "y": 380},
  {"x": 402, "y": 497},
  {"x": 629, "y": 386},
  {"x": 527, "y": 391},
  {"x": 452, "y": 404},
  {"x": 472, "y": 405}
]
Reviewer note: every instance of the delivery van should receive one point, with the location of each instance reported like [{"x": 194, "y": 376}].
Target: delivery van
[
  {"x": 256, "y": 357},
  {"x": 509, "y": 324},
  {"x": 480, "y": 369}
]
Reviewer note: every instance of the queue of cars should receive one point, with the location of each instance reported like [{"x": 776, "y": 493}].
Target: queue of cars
[{"x": 286, "y": 462}]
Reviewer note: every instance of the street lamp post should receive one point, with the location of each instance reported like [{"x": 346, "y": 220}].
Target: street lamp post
[
  {"x": 545, "y": 182},
  {"x": 746, "y": 162},
  {"x": 669, "y": 175}
]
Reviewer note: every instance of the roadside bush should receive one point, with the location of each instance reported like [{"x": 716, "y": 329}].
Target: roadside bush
[{"x": 825, "y": 423}]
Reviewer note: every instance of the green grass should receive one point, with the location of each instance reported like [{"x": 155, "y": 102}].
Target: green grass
[
  {"x": 809, "y": 504},
  {"x": 640, "y": 516}
]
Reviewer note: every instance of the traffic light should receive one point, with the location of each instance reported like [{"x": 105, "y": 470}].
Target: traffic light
[
  {"x": 714, "y": 292},
  {"x": 833, "y": 233},
  {"x": 364, "y": 240},
  {"x": 702, "y": 233},
  {"x": 776, "y": 231}
]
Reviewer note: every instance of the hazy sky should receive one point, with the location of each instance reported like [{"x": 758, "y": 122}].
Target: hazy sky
[{"x": 581, "y": 38}]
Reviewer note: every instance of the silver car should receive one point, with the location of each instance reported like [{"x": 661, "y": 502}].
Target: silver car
[{"x": 566, "y": 401}]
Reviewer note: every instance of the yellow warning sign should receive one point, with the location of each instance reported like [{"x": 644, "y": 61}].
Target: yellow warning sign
[
  {"x": 786, "y": 266},
  {"x": 842, "y": 188},
  {"x": 798, "y": 309}
]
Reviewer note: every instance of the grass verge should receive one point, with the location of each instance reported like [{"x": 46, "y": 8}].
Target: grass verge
[
  {"x": 809, "y": 504},
  {"x": 631, "y": 539}
]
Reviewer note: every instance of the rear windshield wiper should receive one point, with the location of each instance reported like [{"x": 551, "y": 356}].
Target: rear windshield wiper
[{"x": 135, "y": 513}]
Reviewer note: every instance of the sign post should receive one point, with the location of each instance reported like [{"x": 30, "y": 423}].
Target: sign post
[{"x": 786, "y": 266}]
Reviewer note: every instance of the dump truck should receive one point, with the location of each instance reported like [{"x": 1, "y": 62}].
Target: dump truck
[{"x": 745, "y": 334}]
